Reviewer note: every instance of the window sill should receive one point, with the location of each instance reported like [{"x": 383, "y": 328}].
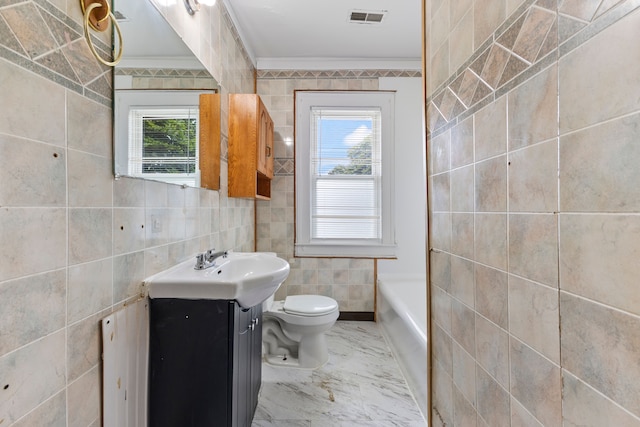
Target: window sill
[{"x": 345, "y": 250}]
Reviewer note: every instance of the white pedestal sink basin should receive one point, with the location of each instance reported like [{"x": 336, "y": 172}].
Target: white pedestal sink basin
[{"x": 247, "y": 277}]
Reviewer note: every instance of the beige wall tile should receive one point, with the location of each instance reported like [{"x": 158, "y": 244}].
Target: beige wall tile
[
  {"x": 85, "y": 397},
  {"x": 442, "y": 348},
  {"x": 585, "y": 407},
  {"x": 50, "y": 413},
  {"x": 439, "y": 65},
  {"x": 28, "y": 229},
  {"x": 462, "y": 235},
  {"x": 128, "y": 274},
  {"x": 599, "y": 258},
  {"x": 464, "y": 373},
  {"x": 462, "y": 143},
  {"x": 464, "y": 414},
  {"x": 84, "y": 346},
  {"x": 534, "y": 316},
  {"x": 490, "y": 133},
  {"x": 492, "y": 350},
  {"x": 440, "y": 153},
  {"x": 442, "y": 411},
  {"x": 533, "y": 110},
  {"x": 34, "y": 307},
  {"x": 598, "y": 167},
  {"x": 21, "y": 184},
  {"x": 580, "y": 77},
  {"x": 491, "y": 185},
  {"x": 462, "y": 189},
  {"x": 487, "y": 15},
  {"x": 90, "y": 180},
  {"x": 462, "y": 282},
  {"x": 463, "y": 325},
  {"x": 89, "y": 126},
  {"x": 601, "y": 346},
  {"x": 90, "y": 289},
  {"x": 440, "y": 230},
  {"x": 21, "y": 392},
  {"x": 440, "y": 270},
  {"x": 90, "y": 234},
  {"x": 440, "y": 195},
  {"x": 37, "y": 117},
  {"x": 533, "y": 247},
  {"x": 536, "y": 383},
  {"x": 533, "y": 178},
  {"x": 461, "y": 40},
  {"x": 493, "y": 400},
  {"x": 441, "y": 308},
  {"x": 491, "y": 240},
  {"x": 492, "y": 294},
  {"x": 521, "y": 417}
]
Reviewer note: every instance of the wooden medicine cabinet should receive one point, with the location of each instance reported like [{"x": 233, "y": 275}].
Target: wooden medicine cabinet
[{"x": 250, "y": 147}]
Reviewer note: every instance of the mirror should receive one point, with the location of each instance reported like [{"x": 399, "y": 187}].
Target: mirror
[{"x": 166, "y": 104}]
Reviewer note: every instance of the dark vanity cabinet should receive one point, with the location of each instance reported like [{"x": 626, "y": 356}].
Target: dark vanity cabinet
[{"x": 204, "y": 363}]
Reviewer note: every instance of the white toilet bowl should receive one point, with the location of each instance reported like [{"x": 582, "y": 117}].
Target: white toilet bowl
[{"x": 293, "y": 330}]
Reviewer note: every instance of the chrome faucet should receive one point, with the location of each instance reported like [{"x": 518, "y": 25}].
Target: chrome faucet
[{"x": 208, "y": 259}]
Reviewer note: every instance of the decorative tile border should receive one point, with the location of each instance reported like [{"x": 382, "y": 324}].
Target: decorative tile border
[
  {"x": 534, "y": 37},
  {"x": 37, "y": 36},
  {"x": 335, "y": 74}
]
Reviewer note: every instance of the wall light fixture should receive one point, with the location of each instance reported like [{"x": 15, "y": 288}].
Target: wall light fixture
[{"x": 193, "y": 6}]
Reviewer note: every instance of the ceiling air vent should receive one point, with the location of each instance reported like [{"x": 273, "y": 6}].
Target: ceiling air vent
[{"x": 367, "y": 17}]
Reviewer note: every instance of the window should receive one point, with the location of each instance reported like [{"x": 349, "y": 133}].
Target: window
[
  {"x": 161, "y": 135},
  {"x": 344, "y": 174}
]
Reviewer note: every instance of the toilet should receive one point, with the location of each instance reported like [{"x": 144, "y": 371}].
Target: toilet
[{"x": 293, "y": 330}]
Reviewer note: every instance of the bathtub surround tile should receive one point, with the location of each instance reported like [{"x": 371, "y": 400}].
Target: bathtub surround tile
[
  {"x": 464, "y": 414},
  {"x": 442, "y": 349},
  {"x": 490, "y": 242},
  {"x": 440, "y": 229},
  {"x": 440, "y": 194},
  {"x": 462, "y": 189},
  {"x": 592, "y": 243},
  {"x": 441, "y": 310},
  {"x": 462, "y": 282},
  {"x": 492, "y": 294},
  {"x": 586, "y": 184},
  {"x": 600, "y": 346},
  {"x": 464, "y": 373},
  {"x": 463, "y": 325},
  {"x": 490, "y": 132},
  {"x": 20, "y": 185},
  {"x": 533, "y": 32},
  {"x": 533, "y": 178},
  {"x": 491, "y": 185},
  {"x": 442, "y": 401},
  {"x": 534, "y": 316},
  {"x": 440, "y": 153},
  {"x": 487, "y": 16},
  {"x": 36, "y": 308},
  {"x": 462, "y": 143},
  {"x": 492, "y": 350},
  {"x": 533, "y": 247},
  {"x": 584, "y": 406},
  {"x": 493, "y": 400},
  {"x": 521, "y": 417},
  {"x": 20, "y": 393},
  {"x": 533, "y": 110},
  {"x": 536, "y": 383},
  {"x": 462, "y": 234}
]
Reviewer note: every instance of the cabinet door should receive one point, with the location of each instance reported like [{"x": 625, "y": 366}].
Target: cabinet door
[
  {"x": 242, "y": 372},
  {"x": 269, "y": 148},
  {"x": 256, "y": 358},
  {"x": 263, "y": 146}
]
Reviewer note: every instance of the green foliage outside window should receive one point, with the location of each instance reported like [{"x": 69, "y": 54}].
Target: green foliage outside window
[{"x": 172, "y": 142}]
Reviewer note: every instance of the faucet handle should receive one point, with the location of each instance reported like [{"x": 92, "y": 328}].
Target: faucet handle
[{"x": 200, "y": 261}]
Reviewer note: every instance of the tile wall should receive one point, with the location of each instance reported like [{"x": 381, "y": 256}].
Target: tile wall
[
  {"x": 75, "y": 244},
  {"x": 534, "y": 142},
  {"x": 351, "y": 282}
]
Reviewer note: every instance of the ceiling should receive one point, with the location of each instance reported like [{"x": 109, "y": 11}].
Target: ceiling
[
  {"x": 295, "y": 34},
  {"x": 299, "y": 32}
]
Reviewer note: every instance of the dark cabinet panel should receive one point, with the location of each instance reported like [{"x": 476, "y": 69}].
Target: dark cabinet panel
[{"x": 200, "y": 363}]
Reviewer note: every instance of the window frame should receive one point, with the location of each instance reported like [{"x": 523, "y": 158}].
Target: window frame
[{"x": 305, "y": 245}]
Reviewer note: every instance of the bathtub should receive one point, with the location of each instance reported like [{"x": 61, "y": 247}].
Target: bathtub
[{"x": 402, "y": 316}]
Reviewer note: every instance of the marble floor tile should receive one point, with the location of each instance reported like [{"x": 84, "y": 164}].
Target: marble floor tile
[{"x": 360, "y": 385}]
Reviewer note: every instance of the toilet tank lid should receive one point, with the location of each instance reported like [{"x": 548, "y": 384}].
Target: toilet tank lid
[{"x": 309, "y": 305}]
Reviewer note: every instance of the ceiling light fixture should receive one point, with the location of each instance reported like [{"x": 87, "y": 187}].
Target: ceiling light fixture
[{"x": 193, "y": 6}]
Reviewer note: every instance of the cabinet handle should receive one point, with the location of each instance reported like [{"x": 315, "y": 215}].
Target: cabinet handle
[{"x": 268, "y": 151}]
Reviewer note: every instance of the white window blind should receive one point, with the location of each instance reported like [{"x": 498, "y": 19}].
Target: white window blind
[
  {"x": 163, "y": 141},
  {"x": 345, "y": 173}
]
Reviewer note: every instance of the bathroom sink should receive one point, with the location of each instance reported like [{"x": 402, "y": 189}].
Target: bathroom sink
[{"x": 247, "y": 277}]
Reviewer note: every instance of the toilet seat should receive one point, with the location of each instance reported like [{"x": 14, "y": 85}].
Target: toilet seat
[{"x": 309, "y": 305}]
